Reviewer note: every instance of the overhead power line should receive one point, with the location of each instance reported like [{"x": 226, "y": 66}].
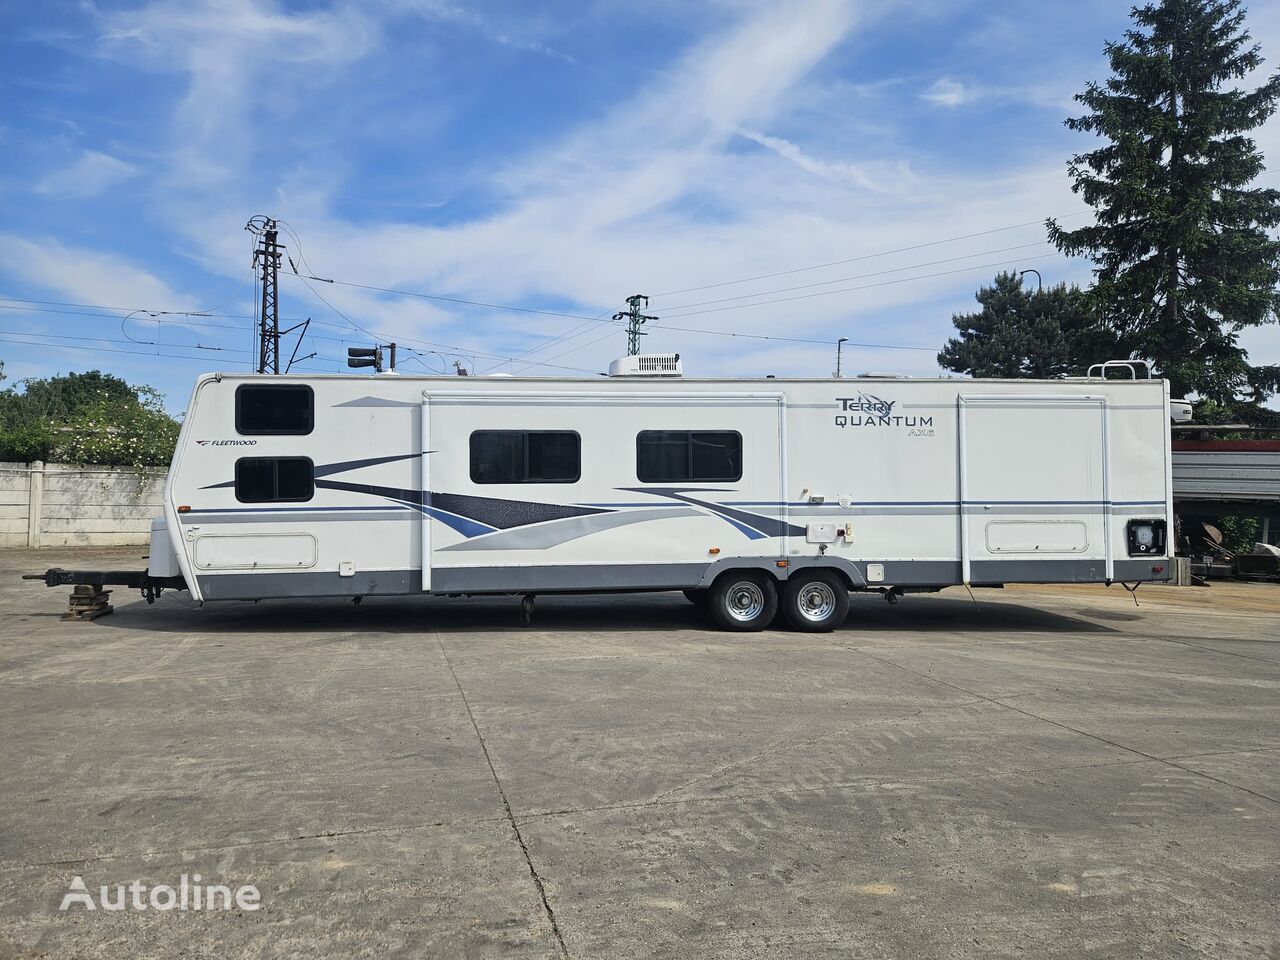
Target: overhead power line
[
  {"x": 743, "y": 306},
  {"x": 63, "y": 336},
  {"x": 579, "y": 330},
  {"x": 868, "y": 256},
  {"x": 452, "y": 348},
  {"x": 432, "y": 296},
  {"x": 597, "y": 319},
  {"x": 586, "y": 323},
  {"x": 858, "y": 276},
  {"x": 865, "y": 286},
  {"x": 123, "y": 310},
  {"x": 458, "y": 350},
  {"x": 7, "y": 303},
  {"x": 762, "y": 336},
  {"x": 31, "y": 341}
]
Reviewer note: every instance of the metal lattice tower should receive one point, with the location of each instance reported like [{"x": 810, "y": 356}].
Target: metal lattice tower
[
  {"x": 266, "y": 259},
  {"x": 635, "y": 319}
]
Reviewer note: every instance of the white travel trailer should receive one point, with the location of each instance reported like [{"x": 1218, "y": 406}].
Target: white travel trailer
[{"x": 753, "y": 496}]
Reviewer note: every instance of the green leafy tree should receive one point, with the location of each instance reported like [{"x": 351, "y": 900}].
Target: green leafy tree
[
  {"x": 1239, "y": 532},
  {"x": 65, "y": 395},
  {"x": 1027, "y": 333},
  {"x": 1184, "y": 258},
  {"x": 86, "y": 418}
]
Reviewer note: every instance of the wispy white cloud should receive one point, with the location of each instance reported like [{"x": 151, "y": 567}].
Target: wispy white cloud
[
  {"x": 850, "y": 174},
  {"x": 85, "y": 275},
  {"x": 947, "y": 92},
  {"x": 1054, "y": 94},
  {"x": 472, "y": 19},
  {"x": 592, "y": 192},
  {"x": 242, "y": 59},
  {"x": 93, "y": 173}
]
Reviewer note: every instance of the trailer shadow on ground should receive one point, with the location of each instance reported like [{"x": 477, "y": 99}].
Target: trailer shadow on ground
[{"x": 176, "y": 613}]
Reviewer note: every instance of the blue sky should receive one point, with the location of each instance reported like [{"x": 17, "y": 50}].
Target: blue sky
[{"x": 554, "y": 156}]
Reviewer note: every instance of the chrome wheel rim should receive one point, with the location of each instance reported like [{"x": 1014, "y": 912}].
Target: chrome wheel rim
[
  {"x": 745, "y": 601},
  {"x": 817, "y": 601}
]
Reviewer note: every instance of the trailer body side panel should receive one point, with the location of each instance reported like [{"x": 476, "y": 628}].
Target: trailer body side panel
[{"x": 399, "y": 485}]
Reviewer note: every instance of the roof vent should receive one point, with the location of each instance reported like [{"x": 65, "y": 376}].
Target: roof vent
[{"x": 647, "y": 365}]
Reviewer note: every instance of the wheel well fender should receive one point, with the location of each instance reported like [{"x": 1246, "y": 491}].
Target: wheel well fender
[
  {"x": 838, "y": 572},
  {"x": 738, "y": 565}
]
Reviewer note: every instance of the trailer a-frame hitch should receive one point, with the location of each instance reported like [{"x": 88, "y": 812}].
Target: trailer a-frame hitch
[{"x": 89, "y": 595}]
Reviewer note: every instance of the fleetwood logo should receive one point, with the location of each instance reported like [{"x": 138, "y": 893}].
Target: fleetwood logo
[
  {"x": 225, "y": 443},
  {"x": 867, "y": 410}
]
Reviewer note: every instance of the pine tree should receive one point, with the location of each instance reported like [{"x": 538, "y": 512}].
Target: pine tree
[
  {"x": 1024, "y": 333},
  {"x": 1183, "y": 256}
]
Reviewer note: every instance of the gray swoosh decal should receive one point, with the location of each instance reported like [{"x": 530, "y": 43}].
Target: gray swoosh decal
[
  {"x": 327, "y": 469},
  {"x": 556, "y": 532},
  {"x": 378, "y": 402}
]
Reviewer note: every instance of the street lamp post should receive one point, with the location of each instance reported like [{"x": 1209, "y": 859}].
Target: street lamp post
[
  {"x": 1039, "y": 280},
  {"x": 839, "y": 344}
]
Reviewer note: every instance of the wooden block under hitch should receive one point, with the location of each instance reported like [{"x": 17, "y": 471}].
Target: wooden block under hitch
[{"x": 87, "y": 602}]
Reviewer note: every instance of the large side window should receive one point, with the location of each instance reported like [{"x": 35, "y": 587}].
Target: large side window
[
  {"x": 525, "y": 456},
  {"x": 277, "y": 408},
  {"x": 274, "y": 479},
  {"x": 683, "y": 456}
]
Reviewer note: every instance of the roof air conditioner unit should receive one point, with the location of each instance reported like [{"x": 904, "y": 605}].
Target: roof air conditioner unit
[{"x": 647, "y": 365}]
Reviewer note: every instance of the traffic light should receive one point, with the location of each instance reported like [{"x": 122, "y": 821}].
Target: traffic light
[{"x": 365, "y": 357}]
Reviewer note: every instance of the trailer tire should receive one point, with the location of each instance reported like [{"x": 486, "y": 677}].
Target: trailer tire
[
  {"x": 815, "y": 601},
  {"x": 743, "y": 600},
  {"x": 696, "y": 597}
]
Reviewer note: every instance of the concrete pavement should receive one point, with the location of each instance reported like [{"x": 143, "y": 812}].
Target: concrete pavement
[{"x": 1047, "y": 773}]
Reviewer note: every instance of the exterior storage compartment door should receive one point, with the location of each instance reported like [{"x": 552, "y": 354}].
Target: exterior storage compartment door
[{"x": 1034, "y": 482}]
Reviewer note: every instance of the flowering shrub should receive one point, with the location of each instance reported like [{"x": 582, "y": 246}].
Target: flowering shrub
[
  {"x": 119, "y": 433},
  {"x": 86, "y": 418}
]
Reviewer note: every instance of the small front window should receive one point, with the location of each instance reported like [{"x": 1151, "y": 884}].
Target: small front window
[
  {"x": 277, "y": 408},
  {"x": 274, "y": 479}
]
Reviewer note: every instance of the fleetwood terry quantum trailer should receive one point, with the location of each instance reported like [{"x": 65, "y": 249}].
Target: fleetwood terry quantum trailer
[{"x": 750, "y": 495}]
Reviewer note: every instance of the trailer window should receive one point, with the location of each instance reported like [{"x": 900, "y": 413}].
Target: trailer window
[
  {"x": 525, "y": 456},
  {"x": 278, "y": 408},
  {"x": 681, "y": 456},
  {"x": 274, "y": 479}
]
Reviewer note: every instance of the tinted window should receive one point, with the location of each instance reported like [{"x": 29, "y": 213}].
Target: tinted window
[
  {"x": 277, "y": 408},
  {"x": 525, "y": 456},
  {"x": 274, "y": 479},
  {"x": 681, "y": 456}
]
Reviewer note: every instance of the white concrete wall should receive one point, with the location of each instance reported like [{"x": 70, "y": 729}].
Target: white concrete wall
[
  {"x": 15, "y": 495},
  {"x": 58, "y": 505}
]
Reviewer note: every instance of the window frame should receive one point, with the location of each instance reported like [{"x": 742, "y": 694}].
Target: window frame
[
  {"x": 311, "y": 400},
  {"x": 689, "y": 435},
  {"x": 311, "y": 492},
  {"x": 471, "y": 460}
]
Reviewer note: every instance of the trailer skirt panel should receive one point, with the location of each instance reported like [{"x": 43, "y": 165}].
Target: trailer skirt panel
[{"x": 570, "y": 578}]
